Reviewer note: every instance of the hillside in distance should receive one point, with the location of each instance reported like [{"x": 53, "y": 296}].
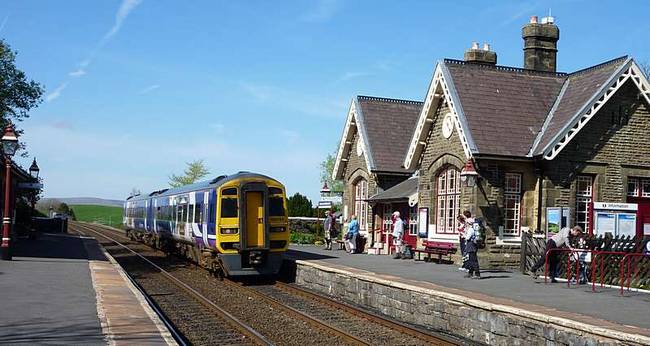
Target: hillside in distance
[{"x": 84, "y": 201}]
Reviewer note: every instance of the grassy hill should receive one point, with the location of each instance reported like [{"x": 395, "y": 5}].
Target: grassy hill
[{"x": 111, "y": 216}]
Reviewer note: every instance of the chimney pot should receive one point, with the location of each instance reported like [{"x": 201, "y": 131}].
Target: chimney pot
[
  {"x": 533, "y": 20},
  {"x": 483, "y": 56}
]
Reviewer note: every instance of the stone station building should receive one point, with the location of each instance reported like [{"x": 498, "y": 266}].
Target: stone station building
[{"x": 535, "y": 139}]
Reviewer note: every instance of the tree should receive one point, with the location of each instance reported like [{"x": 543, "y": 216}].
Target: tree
[
  {"x": 195, "y": 170},
  {"x": 299, "y": 205},
  {"x": 18, "y": 95},
  {"x": 63, "y": 208},
  {"x": 326, "y": 168},
  {"x": 72, "y": 215}
]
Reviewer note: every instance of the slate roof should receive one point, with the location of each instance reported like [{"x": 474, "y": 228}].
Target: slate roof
[
  {"x": 505, "y": 107},
  {"x": 388, "y": 124},
  {"x": 400, "y": 191},
  {"x": 580, "y": 87},
  {"x": 510, "y": 111}
]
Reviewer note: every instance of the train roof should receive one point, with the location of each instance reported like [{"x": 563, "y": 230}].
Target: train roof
[{"x": 218, "y": 181}]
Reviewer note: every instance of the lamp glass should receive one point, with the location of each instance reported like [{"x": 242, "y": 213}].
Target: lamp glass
[{"x": 9, "y": 147}]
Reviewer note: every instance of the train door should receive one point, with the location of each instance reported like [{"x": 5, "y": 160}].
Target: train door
[
  {"x": 255, "y": 218},
  {"x": 212, "y": 217},
  {"x": 206, "y": 216}
]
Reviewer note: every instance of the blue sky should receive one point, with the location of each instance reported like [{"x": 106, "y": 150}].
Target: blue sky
[{"x": 134, "y": 89}]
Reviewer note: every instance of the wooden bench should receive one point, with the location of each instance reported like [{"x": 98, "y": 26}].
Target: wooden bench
[{"x": 436, "y": 248}]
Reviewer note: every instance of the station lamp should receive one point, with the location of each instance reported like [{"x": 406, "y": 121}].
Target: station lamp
[
  {"x": 468, "y": 174},
  {"x": 34, "y": 170},
  {"x": 9, "y": 147}
]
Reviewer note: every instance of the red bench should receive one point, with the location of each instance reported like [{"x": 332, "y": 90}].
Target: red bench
[{"x": 436, "y": 248}]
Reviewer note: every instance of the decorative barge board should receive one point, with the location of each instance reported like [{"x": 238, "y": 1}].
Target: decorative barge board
[{"x": 371, "y": 151}]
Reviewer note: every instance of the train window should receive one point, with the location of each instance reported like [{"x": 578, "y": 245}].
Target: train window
[
  {"x": 229, "y": 207},
  {"x": 275, "y": 191},
  {"x": 276, "y": 206},
  {"x": 229, "y": 192},
  {"x": 211, "y": 212},
  {"x": 198, "y": 213}
]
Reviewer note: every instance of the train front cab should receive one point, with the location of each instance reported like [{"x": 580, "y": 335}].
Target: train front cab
[{"x": 252, "y": 227}]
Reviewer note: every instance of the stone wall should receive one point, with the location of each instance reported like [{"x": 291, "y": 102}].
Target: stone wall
[{"x": 467, "y": 318}]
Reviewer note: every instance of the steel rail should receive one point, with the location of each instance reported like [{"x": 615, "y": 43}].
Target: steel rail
[
  {"x": 238, "y": 324},
  {"x": 349, "y": 338},
  {"x": 394, "y": 325}
]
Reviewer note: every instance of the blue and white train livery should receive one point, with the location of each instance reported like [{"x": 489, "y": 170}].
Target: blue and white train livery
[{"x": 235, "y": 225}]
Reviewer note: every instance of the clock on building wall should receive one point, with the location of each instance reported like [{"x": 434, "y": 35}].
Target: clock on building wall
[
  {"x": 448, "y": 125},
  {"x": 359, "y": 147}
]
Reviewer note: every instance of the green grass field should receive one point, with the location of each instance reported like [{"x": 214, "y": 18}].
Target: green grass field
[{"x": 111, "y": 216}]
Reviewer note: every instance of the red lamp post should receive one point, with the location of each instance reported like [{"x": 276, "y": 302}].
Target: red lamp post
[{"x": 9, "y": 147}]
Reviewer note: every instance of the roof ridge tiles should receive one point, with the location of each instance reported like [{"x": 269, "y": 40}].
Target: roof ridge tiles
[
  {"x": 601, "y": 65},
  {"x": 506, "y": 68},
  {"x": 386, "y": 99}
]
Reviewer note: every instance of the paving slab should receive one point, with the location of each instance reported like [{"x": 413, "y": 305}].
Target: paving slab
[
  {"x": 606, "y": 308},
  {"x": 64, "y": 289}
]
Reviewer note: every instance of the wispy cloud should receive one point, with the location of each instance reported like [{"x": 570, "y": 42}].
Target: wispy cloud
[
  {"x": 77, "y": 73},
  {"x": 149, "y": 89},
  {"x": 125, "y": 9},
  {"x": 352, "y": 75},
  {"x": 4, "y": 22},
  {"x": 291, "y": 136},
  {"x": 218, "y": 127},
  {"x": 520, "y": 11},
  {"x": 56, "y": 92},
  {"x": 324, "y": 10},
  {"x": 294, "y": 100}
]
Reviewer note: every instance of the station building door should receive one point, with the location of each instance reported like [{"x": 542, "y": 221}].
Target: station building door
[{"x": 638, "y": 191}]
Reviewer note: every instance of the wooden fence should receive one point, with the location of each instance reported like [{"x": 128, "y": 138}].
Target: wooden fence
[{"x": 606, "y": 265}]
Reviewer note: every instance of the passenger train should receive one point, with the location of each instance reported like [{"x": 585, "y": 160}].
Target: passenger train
[{"x": 234, "y": 225}]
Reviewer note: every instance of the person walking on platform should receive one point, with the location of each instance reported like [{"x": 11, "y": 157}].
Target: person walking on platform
[
  {"x": 471, "y": 249},
  {"x": 398, "y": 234},
  {"x": 330, "y": 230},
  {"x": 353, "y": 233},
  {"x": 558, "y": 240}
]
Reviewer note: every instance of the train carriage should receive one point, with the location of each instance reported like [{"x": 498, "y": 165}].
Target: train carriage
[{"x": 235, "y": 224}]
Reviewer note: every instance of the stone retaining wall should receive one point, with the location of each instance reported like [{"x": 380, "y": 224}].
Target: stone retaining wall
[{"x": 468, "y": 318}]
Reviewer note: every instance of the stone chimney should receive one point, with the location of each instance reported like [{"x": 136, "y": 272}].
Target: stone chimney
[
  {"x": 540, "y": 44},
  {"x": 481, "y": 56}
]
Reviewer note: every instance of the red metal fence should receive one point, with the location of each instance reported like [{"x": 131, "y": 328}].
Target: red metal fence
[{"x": 616, "y": 261}]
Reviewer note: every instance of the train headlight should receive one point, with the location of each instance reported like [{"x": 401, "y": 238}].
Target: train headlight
[
  {"x": 278, "y": 229},
  {"x": 229, "y": 230}
]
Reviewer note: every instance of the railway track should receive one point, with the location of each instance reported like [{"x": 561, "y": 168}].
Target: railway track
[
  {"x": 229, "y": 328},
  {"x": 325, "y": 319}
]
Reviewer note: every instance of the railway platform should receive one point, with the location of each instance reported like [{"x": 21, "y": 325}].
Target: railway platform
[
  {"x": 64, "y": 289},
  {"x": 500, "y": 307}
]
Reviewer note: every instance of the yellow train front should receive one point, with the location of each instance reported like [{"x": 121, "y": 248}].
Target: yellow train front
[{"x": 236, "y": 225}]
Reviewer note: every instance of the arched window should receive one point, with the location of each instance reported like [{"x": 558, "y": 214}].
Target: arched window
[
  {"x": 360, "y": 203},
  {"x": 448, "y": 198}
]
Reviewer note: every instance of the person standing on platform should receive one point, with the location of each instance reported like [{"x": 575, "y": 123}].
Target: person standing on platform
[
  {"x": 398, "y": 234},
  {"x": 471, "y": 249},
  {"x": 353, "y": 233},
  {"x": 329, "y": 230},
  {"x": 558, "y": 240},
  {"x": 462, "y": 224}
]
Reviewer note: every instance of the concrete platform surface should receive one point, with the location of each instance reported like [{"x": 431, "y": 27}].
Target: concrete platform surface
[
  {"x": 604, "y": 309},
  {"x": 63, "y": 290}
]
